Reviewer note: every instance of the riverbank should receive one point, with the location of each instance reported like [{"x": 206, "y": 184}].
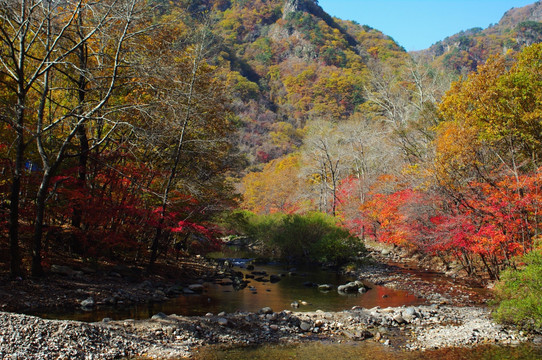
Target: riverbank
[
  {"x": 68, "y": 287},
  {"x": 427, "y": 277},
  {"x": 173, "y": 337},
  {"x": 455, "y": 315}
]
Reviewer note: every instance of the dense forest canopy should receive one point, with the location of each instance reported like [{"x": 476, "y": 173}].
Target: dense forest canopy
[{"x": 130, "y": 126}]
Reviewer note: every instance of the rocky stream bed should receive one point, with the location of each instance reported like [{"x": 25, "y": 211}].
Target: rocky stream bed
[
  {"x": 173, "y": 337},
  {"x": 455, "y": 316}
]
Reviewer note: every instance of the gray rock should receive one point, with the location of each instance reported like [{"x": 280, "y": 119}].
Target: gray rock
[
  {"x": 174, "y": 290},
  {"x": 351, "y": 287},
  {"x": 409, "y": 311},
  {"x": 398, "y": 319},
  {"x": 222, "y": 321},
  {"x": 88, "y": 303},
  {"x": 66, "y": 271},
  {"x": 266, "y": 310},
  {"x": 146, "y": 285},
  {"x": 325, "y": 287},
  {"x": 110, "y": 300},
  {"x": 159, "y": 293},
  {"x": 159, "y": 316},
  {"x": 305, "y": 326},
  {"x": 198, "y": 288},
  {"x": 294, "y": 304}
]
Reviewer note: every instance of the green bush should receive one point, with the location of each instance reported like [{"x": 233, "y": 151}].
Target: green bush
[
  {"x": 312, "y": 237},
  {"x": 519, "y": 293}
]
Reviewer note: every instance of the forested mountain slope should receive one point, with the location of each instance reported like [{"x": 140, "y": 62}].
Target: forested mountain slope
[
  {"x": 291, "y": 62},
  {"x": 465, "y": 51}
]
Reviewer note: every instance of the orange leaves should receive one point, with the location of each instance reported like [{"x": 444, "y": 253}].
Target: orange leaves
[
  {"x": 274, "y": 188},
  {"x": 393, "y": 217}
]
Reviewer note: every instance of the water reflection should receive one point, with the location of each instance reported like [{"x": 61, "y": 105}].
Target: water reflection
[
  {"x": 366, "y": 350},
  {"x": 221, "y": 296}
]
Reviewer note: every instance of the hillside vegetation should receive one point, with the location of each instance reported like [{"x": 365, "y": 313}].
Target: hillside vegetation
[{"x": 130, "y": 128}]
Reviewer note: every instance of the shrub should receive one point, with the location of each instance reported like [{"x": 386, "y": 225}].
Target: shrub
[
  {"x": 519, "y": 291},
  {"x": 312, "y": 237}
]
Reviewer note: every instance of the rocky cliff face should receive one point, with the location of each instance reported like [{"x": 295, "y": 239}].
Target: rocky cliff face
[
  {"x": 515, "y": 16},
  {"x": 309, "y": 6}
]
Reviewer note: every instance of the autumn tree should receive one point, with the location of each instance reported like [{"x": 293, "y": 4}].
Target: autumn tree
[
  {"x": 190, "y": 125},
  {"x": 275, "y": 188},
  {"x": 40, "y": 44}
]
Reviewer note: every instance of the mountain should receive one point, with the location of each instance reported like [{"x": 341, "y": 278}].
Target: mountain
[
  {"x": 463, "y": 52},
  {"x": 289, "y": 62}
]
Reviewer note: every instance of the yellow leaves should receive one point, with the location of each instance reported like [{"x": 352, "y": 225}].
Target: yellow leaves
[
  {"x": 274, "y": 188},
  {"x": 456, "y": 149},
  {"x": 495, "y": 112}
]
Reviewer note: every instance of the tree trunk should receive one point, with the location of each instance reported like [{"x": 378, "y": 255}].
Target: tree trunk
[
  {"x": 81, "y": 173},
  {"x": 81, "y": 129},
  {"x": 37, "y": 268},
  {"x": 15, "y": 263}
]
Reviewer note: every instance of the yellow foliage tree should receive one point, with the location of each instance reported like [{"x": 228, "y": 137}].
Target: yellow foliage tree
[{"x": 273, "y": 189}]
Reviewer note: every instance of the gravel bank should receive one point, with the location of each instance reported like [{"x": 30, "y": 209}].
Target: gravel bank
[{"x": 170, "y": 337}]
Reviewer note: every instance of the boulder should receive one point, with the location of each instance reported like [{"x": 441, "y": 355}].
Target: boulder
[
  {"x": 266, "y": 310},
  {"x": 305, "y": 326},
  {"x": 88, "y": 303},
  {"x": 398, "y": 319},
  {"x": 159, "y": 316},
  {"x": 274, "y": 278},
  {"x": 66, "y": 271},
  {"x": 325, "y": 287},
  {"x": 351, "y": 287},
  {"x": 198, "y": 288}
]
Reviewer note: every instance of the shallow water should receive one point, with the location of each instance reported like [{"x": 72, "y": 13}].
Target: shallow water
[
  {"x": 366, "y": 350},
  {"x": 218, "y": 297}
]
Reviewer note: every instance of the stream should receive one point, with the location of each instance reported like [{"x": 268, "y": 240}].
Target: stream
[
  {"x": 221, "y": 296},
  {"x": 367, "y": 350}
]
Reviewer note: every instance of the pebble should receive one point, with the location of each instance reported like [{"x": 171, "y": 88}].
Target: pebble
[{"x": 436, "y": 327}]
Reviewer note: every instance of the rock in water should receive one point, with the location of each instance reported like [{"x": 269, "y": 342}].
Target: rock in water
[
  {"x": 325, "y": 287},
  {"x": 266, "y": 310},
  {"x": 159, "y": 316},
  {"x": 196, "y": 288},
  {"x": 88, "y": 303}
]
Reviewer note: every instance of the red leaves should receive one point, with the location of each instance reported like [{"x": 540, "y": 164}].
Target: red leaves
[{"x": 494, "y": 221}]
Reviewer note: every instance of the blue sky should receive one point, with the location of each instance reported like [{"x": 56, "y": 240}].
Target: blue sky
[{"x": 417, "y": 24}]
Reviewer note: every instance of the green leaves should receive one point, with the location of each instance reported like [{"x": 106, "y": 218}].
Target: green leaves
[{"x": 519, "y": 291}]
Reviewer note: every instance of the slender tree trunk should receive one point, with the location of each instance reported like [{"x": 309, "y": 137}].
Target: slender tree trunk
[
  {"x": 77, "y": 216},
  {"x": 37, "y": 268},
  {"x": 15, "y": 263},
  {"x": 81, "y": 129},
  {"x": 177, "y": 153}
]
